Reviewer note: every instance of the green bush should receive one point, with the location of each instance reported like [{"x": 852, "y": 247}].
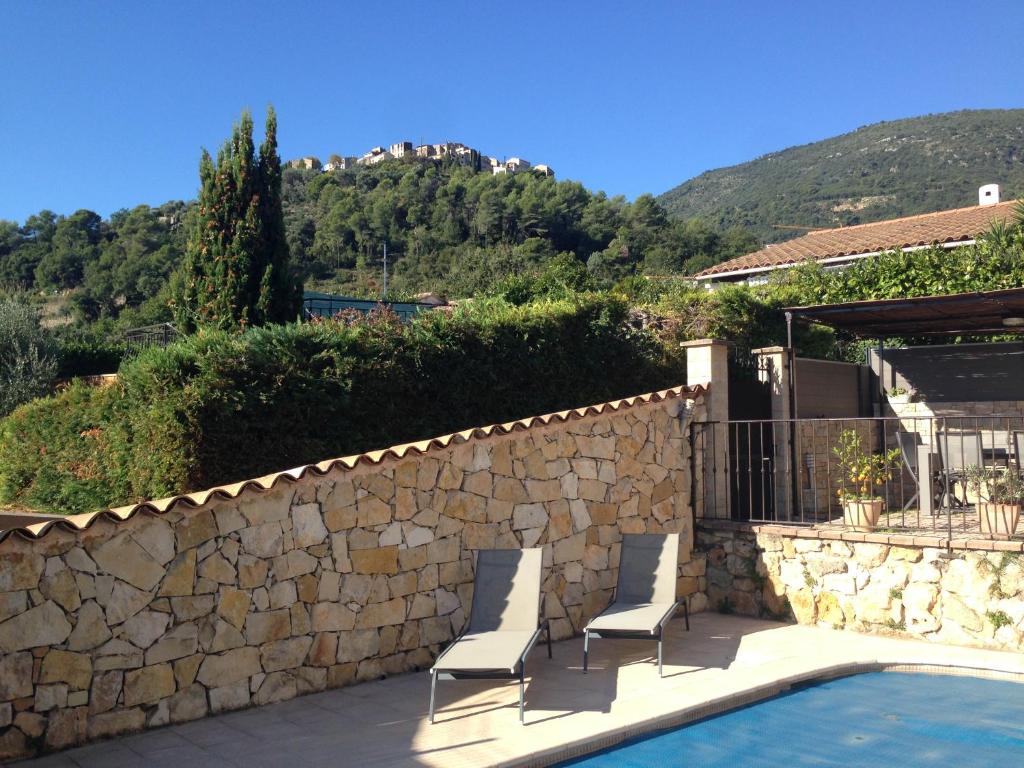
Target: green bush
[
  {"x": 217, "y": 408},
  {"x": 27, "y": 361},
  {"x": 84, "y": 353}
]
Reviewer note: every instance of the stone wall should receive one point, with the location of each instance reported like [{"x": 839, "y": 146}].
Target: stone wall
[
  {"x": 256, "y": 596},
  {"x": 958, "y": 596}
]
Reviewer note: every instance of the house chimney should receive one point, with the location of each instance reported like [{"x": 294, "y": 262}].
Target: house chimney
[{"x": 988, "y": 194}]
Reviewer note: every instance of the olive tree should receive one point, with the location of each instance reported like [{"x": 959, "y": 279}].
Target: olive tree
[{"x": 28, "y": 362}]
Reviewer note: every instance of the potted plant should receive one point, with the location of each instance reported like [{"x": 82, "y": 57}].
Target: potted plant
[
  {"x": 898, "y": 396},
  {"x": 999, "y": 493},
  {"x": 863, "y": 474}
]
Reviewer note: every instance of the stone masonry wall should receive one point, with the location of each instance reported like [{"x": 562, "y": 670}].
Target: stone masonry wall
[
  {"x": 965, "y": 597},
  {"x": 324, "y": 581}
]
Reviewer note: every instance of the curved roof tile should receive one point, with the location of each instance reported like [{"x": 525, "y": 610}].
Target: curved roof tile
[
  {"x": 268, "y": 482},
  {"x": 942, "y": 227}
]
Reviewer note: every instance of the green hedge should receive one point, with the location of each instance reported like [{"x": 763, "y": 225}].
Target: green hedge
[{"x": 217, "y": 408}]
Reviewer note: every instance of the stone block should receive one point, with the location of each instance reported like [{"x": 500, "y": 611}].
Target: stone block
[
  {"x": 190, "y": 608},
  {"x": 45, "y": 624},
  {"x": 593, "y": 490},
  {"x": 372, "y": 561},
  {"x": 332, "y": 617},
  {"x": 188, "y": 704},
  {"x": 115, "y": 723},
  {"x": 444, "y": 550},
  {"x": 229, "y": 667},
  {"x": 358, "y": 645},
  {"x": 75, "y": 669},
  {"x": 270, "y": 625},
  {"x": 308, "y": 527},
  {"x": 230, "y": 697},
  {"x": 285, "y": 654},
  {"x": 217, "y": 568},
  {"x": 15, "y": 676},
  {"x": 529, "y": 516},
  {"x": 381, "y": 614},
  {"x": 266, "y": 540},
  {"x": 143, "y": 629},
  {"x": 22, "y": 570},
  {"x": 117, "y": 654},
  {"x": 570, "y": 549},
  {"x": 62, "y": 588},
  {"x": 148, "y": 684},
  {"x": 91, "y": 630}
]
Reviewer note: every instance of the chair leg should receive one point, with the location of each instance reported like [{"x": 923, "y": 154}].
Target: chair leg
[
  {"x": 586, "y": 649},
  {"x": 661, "y": 632},
  {"x": 547, "y": 633},
  {"x": 433, "y": 685},
  {"x": 686, "y": 612},
  {"x": 522, "y": 692}
]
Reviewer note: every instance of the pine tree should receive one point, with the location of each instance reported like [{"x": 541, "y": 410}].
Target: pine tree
[{"x": 236, "y": 272}]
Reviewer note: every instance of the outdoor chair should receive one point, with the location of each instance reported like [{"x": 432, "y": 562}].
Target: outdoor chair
[
  {"x": 1018, "y": 446},
  {"x": 645, "y": 593},
  {"x": 957, "y": 452},
  {"x": 908, "y": 450},
  {"x": 504, "y": 623}
]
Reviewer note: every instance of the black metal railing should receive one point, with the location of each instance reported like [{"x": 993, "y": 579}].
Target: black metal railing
[
  {"x": 940, "y": 470},
  {"x": 158, "y": 335}
]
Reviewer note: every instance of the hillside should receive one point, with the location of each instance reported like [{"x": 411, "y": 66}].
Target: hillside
[
  {"x": 880, "y": 171},
  {"x": 448, "y": 229}
]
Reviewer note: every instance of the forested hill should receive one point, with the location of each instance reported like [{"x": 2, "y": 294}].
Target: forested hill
[
  {"x": 448, "y": 229},
  {"x": 456, "y": 231},
  {"x": 880, "y": 171}
]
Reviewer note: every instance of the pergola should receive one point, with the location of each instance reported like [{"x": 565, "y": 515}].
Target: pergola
[{"x": 987, "y": 313}]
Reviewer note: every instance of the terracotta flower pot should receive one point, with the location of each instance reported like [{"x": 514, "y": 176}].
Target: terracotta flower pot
[
  {"x": 998, "y": 520},
  {"x": 862, "y": 514}
]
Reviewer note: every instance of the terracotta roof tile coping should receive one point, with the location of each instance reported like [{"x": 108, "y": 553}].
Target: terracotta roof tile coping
[
  {"x": 924, "y": 229},
  {"x": 198, "y": 499}
]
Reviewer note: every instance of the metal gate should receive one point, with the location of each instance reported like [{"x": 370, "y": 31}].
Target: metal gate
[{"x": 752, "y": 443}]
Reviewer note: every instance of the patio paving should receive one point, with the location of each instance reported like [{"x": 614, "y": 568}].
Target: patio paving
[{"x": 722, "y": 662}]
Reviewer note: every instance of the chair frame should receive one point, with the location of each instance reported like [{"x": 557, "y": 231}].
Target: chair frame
[
  {"x": 622, "y": 634},
  {"x": 629, "y": 634},
  {"x": 519, "y": 672}
]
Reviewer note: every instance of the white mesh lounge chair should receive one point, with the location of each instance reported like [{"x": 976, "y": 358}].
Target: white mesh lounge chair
[
  {"x": 504, "y": 622},
  {"x": 645, "y": 593}
]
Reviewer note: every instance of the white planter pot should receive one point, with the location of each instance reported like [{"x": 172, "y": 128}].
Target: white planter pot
[{"x": 998, "y": 520}]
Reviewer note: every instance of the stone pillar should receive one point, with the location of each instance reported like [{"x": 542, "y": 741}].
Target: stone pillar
[
  {"x": 773, "y": 368},
  {"x": 707, "y": 364}
]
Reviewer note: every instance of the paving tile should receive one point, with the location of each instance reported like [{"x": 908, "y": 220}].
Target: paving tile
[{"x": 384, "y": 724}]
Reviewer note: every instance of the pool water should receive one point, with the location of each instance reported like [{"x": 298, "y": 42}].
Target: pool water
[{"x": 873, "y": 719}]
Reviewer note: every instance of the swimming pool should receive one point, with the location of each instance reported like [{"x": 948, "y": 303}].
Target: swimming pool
[{"x": 872, "y": 719}]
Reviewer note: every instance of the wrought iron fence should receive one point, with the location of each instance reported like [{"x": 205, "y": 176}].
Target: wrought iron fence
[
  {"x": 952, "y": 475},
  {"x": 158, "y": 335}
]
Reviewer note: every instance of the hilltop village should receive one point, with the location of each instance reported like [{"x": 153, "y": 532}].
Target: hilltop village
[{"x": 450, "y": 150}]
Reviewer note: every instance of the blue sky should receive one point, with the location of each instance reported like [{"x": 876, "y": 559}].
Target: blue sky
[{"x": 106, "y": 104}]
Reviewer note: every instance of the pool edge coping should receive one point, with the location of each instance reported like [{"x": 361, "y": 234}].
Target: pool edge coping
[{"x": 723, "y": 704}]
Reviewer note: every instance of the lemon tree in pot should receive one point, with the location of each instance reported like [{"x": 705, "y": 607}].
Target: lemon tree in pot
[
  {"x": 864, "y": 475},
  {"x": 1000, "y": 493}
]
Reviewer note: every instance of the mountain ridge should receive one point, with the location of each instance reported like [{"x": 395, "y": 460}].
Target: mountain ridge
[{"x": 879, "y": 171}]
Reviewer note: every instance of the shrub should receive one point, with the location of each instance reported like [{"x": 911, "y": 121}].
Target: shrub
[
  {"x": 217, "y": 408},
  {"x": 27, "y": 361},
  {"x": 85, "y": 353}
]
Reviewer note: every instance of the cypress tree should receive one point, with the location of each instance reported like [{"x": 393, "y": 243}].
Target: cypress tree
[{"x": 236, "y": 271}]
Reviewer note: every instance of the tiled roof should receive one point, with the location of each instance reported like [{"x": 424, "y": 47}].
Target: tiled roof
[
  {"x": 957, "y": 225},
  {"x": 268, "y": 482}
]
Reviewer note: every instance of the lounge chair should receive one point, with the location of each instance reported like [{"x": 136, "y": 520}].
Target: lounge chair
[
  {"x": 645, "y": 593},
  {"x": 504, "y": 623}
]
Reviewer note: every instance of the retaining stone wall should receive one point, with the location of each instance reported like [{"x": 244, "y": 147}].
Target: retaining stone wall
[
  {"x": 321, "y": 582},
  {"x": 964, "y": 598}
]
